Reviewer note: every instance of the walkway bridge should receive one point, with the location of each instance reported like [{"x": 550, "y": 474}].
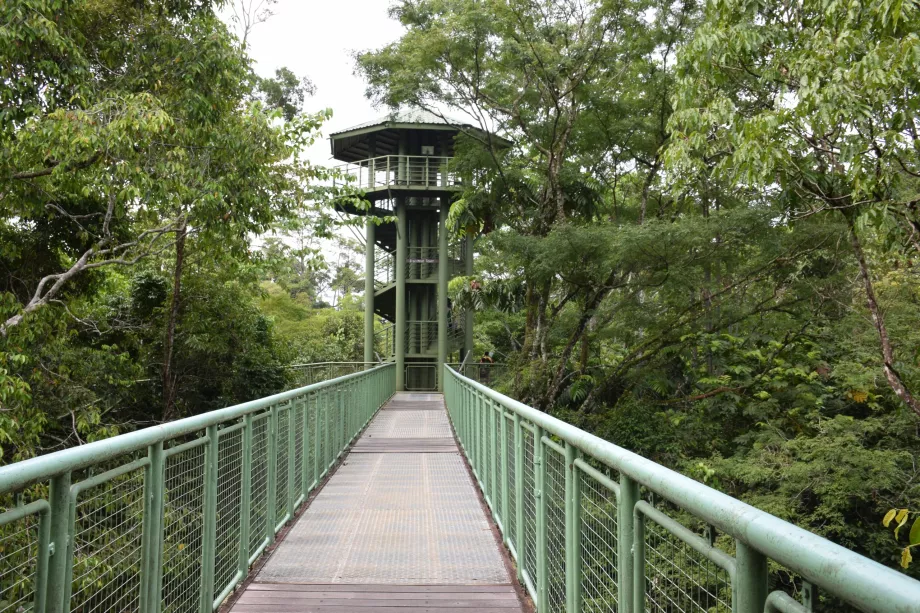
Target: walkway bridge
[{"x": 343, "y": 496}]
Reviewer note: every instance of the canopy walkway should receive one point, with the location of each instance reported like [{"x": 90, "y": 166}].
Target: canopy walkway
[{"x": 343, "y": 496}]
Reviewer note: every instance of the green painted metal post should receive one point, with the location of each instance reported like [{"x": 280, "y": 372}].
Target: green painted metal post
[
  {"x": 443, "y": 276},
  {"x": 245, "y": 496},
  {"x": 749, "y": 590},
  {"x": 505, "y": 469},
  {"x": 59, "y": 546},
  {"x": 629, "y": 496},
  {"x": 327, "y": 434},
  {"x": 290, "y": 457},
  {"x": 152, "y": 531},
  {"x": 209, "y": 529},
  {"x": 317, "y": 441},
  {"x": 572, "y": 530},
  {"x": 305, "y": 470},
  {"x": 493, "y": 460},
  {"x": 369, "y": 231},
  {"x": 402, "y": 244},
  {"x": 42, "y": 560},
  {"x": 519, "y": 496},
  {"x": 539, "y": 472},
  {"x": 270, "y": 509},
  {"x": 639, "y": 562}
]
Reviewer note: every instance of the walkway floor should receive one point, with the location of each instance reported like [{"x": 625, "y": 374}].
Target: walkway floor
[{"x": 398, "y": 526}]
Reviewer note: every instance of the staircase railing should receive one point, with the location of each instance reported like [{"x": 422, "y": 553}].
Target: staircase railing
[
  {"x": 169, "y": 518},
  {"x": 594, "y": 527}
]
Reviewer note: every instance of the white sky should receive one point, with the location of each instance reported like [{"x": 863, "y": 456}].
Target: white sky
[{"x": 316, "y": 39}]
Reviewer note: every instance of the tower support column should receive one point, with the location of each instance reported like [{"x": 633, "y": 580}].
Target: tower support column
[
  {"x": 369, "y": 232},
  {"x": 402, "y": 240},
  {"x": 443, "y": 275}
]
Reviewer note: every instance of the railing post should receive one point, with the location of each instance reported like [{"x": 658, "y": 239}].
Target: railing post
[
  {"x": 290, "y": 457},
  {"x": 152, "y": 531},
  {"x": 209, "y": 528},
  {"x": 749, "y": 590},
  {"x": 270, "y": 504},
  {"x": 638, "y": 562},
  {"x": 317, "y": 441},
  {"x": 539, "y": 471},
  {"x": 519, "y": 532},
  {"x": 505, "y": 468},
  {"x": 572, "y": 531},
  {"x": 327, "y": 441},
  {"x": 629, "y": 496},
  {"x": 493, "y": 447},
  {"x": 59, "y": 545},
  {"x": 305, "y": 451},
  {"x": 246, "y": 496}
]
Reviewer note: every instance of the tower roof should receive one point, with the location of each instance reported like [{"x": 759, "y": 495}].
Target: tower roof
[{"x": 354, "y": 143}]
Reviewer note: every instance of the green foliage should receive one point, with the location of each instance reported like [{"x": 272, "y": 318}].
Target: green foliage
[{"x": 680, "y": 279}]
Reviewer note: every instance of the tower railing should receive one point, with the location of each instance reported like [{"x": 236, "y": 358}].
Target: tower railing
[
  {"x": 417, "y": 171},
  {"x": 594, "y": 527},
  {"x": 170, "y": 518}
]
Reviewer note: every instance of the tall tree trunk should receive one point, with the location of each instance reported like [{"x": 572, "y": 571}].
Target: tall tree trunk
[
  {"x": 891, "y": 373},
  {"x": 169, "y": 378}
]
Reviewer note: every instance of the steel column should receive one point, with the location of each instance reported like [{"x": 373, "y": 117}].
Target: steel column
[
  {"x": 270, "y": 506},
  {"x": 539, "y": 472},
  {"x": 749, "y": 590},
  {"x": 369, "y": 231},
  {"x": 572, "y": 530},
  {"x": 629, "y": 496},
  {"x": 505, "y": 469},
  {"x": 60, "y": 545},
  {"x": 209, "y": 529},
  {"x": 245, "y": 496},
  {"x": 443, "y": 277},
  {"x": 152, "y": 530},
  {"x": 402, "y": 244},
  {"x": 519, "y": 496}
]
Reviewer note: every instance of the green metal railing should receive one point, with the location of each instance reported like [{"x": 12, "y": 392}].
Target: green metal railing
[
  {"x": 169, "y": 518},
  {"x": 314, "y": 372},
  {"x": 594, "y": 527}
]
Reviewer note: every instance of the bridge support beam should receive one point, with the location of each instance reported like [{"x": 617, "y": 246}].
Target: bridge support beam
[
  {"x": 369, "y": 232},
  {"x": 443, "y": 275}
]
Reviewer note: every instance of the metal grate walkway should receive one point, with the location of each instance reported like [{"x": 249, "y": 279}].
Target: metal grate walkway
[{"x": 399, "y": 525}]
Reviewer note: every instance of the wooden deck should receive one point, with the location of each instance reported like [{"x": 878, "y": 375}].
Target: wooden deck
[{"x": 399, "y": 525}]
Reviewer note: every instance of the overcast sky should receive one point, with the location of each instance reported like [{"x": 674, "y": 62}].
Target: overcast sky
[{"x": 316, "y": 39}]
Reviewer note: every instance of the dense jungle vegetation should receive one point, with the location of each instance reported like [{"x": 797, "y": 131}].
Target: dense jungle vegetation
[{"x": 702, "y": 243}]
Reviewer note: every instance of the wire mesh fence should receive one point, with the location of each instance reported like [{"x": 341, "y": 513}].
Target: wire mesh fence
[
  {"x": 169, "y": 519},
  {"x": 587, "y": 535}
]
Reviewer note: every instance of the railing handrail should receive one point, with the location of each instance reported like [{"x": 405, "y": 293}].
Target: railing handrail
[
  {"x": 20, "y": 474},
  {"x": 843, "y": 573},
  {"x": 363, "y": 163},
  {"x": 328, "y": 364}
]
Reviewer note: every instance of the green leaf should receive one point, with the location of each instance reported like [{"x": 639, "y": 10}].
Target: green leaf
[
  {"x": 889, "y": 516},
  {"x": 914, "y": 537},
  {"x": 906, "y": 558},
  {"x": 901, "y": 518}
]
